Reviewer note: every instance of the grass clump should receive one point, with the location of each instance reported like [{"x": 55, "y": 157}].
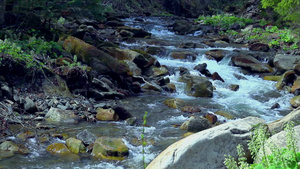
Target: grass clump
[{"x": 280, "y": 158}]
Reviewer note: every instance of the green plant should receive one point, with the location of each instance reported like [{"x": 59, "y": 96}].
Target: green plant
[
  {"x": 143, "y": 138},
  {"x": 224, "y": 21},
  {"x": 288, "y": 157}
]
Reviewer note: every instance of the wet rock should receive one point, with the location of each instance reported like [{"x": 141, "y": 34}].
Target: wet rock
[
  {"x": 86, "y": 136},
  {"x": 202, "y": 69},
  {"x": 13, "y": 147},
  {"x": 59, "y": 149},
  {"x": 98, "y": 95},
  {"x": 195, "y": 124},
  {"x": 5, "y": 154},
  {"x": 197, "y": 86},
  {"x": 278, "y": 125},
  {"x": 285, "y": 62},
  {"x": 133, "y": 68},
  {"x": 183, "y": 55},
  {"x": 114, "y": 23},
  {"x": 131, "y": 121},
  {"x": 190, "y": 109},
  {"x": 216, "y": 76},
  {"x": 272, "y": 78},
  {"x": 275, "y": 106},
  {"x": 278, "y": 140},
  {"x": 183, "y": 71},
  {"x": 121, "y": 54},
  {"x": 59, "y": 115},
  {"x": 153, "y": 50},
  {"x": 106, "y": 115},
  {"x": 137, "y": 32},
  {"x": 210, "y": 146},
  {"x": 250, "y": 63},
  {"x": 125, "y": 33},
  {"x": 259, "y": 47},
  {"x": 161, "y": 71},
  {"x": 170, "y": 87},
  {"x": 122, "y": 113},
  {"x": 188, "y": 45},
  {"x": 211, "y": 118},
  {"x": 296, "y": 85},
  {"x": 234, "y": 87},
  {"x": 110, "y": 148},
  {"x": 217, "y": 54},
  {"x": 297, "y": 69},
  {"x": 287, "y": 79},
  {"x": 151, "y": 86},
  {"x": 175, "y": 103},
  {"x": 76, "y": 146},
  {"x": 24, "y": 136},
  {"x": 225, "y": 114},
  {"x": 295, "y": 101}
]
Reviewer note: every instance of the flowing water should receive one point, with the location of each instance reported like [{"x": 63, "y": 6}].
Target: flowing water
[{"x": 254, "y": 98}]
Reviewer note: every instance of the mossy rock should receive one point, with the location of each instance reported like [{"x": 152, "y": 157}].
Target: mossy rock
[
  {"x": 295, "y": 101},
  {"x": 59, "y": 149},
  {"x": 175, "y": 103},
  {"x": 272, "y": 78},
  {"x": 110, "y": 148},
  {"x": 106, "y": 115},
  {"x": 75, "y": 145},
  {"x": 13, "y": 147},
  {"x": 225, "y": 114}
]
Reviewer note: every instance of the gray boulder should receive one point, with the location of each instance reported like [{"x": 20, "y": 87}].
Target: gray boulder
[
  {"x": 59, "y": 115},
  {"x": 206, "y": 149},
  {"x": 278, "y": 125},
  {"x": 195, "y": 124},
  {"x": 286, "y": 62}
]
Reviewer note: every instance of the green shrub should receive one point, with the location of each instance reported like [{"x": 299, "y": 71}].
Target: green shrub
[
  {"x": 224, "y": 21},
  {"x": 281, "y": 158}
]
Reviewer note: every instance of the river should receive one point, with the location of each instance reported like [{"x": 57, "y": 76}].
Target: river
[{"x": 255, "y": 97}]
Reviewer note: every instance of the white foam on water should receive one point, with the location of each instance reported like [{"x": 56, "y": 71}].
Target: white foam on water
[{"x": 173, "y": 119}]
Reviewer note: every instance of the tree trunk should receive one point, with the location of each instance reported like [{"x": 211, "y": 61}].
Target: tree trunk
[{"x": 2, "y": 11}]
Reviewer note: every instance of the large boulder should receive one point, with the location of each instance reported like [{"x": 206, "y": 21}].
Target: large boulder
[
  {"x": 217, "y": 54},
  {"x": 250, "y": 63},
  {"x": 286, "y": 62},
  {"x": 59, "y": 115},
  {"x": 206, "y": 149},
  {"x": 197, "y": 86},
  {"x": 277, "y": 126},
  {"x": 97, "y": 59},
  {"x": 110, "y": 148},
  {"x": 279, "y": 140}
]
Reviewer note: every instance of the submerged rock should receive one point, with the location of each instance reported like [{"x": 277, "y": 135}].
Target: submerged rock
[
  {"x": 110, "y": 148},
  {"x": 206, "y": 149},
  {"x": 86, "y": 137}
]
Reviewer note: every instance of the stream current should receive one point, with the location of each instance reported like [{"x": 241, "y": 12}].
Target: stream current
[{"x": 255, "y": 97}]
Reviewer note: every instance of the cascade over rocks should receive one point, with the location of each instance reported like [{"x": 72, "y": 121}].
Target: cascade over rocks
[{"x": 206, "y": 149}]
